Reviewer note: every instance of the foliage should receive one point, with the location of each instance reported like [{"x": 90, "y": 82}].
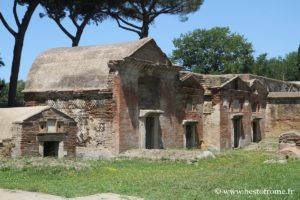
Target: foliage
[
  {"x": 282, "y": 68},
  {"x": 161, "y": 179},
  {"x": 5, "y": 89},
  {"x": 298, "y": 63},
  {"x": 2, "y": 86},
  {"x": 80, "y": 13},
  {"x": 215, "y": 51},
  {"x": 138, "y": 15}
]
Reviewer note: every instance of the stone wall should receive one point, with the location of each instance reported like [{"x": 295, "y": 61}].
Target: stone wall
[
  {"x": 16, "y": 139},
  {"x": 235, "y": 104},
  {"x": 282, "y": 114},
  {"x": 234, "y": 100},
  {"x": 126, "y": 96},
  {"x": 93, "y": 111},
  {"x": 189, "y": 109},
  {"x": 139, "y": 88},
  {"x": 211, "y": 122},
  {"x": 273, "y": 85},
  {"x": 29, "y": 143}
]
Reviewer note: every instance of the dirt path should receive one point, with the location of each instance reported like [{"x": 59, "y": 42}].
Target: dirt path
[{"x": 23, "y": 195}]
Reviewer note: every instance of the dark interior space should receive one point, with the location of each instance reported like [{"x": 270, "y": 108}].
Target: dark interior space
[
  {"x": 190, "y": 136},
  {"x": 51, "y": 149},
  {"x": 256, "y": 135},
  {"x": 149, "y": 132},
  {"x": 237, "y": 127}
]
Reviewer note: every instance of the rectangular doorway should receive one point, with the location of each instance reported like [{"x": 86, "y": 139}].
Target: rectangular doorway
[
  {"x": 255, "y": 131},
  {"x": 190, "y": 136},
  {"x": 51, "y": 149},
  {"x": 150, "y": 133},
  {"x": 237, "y": 129}
]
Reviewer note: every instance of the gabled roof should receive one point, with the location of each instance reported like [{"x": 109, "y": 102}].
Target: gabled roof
[
  {"x": 85, "y": 68},
  {"x": 190, "y": 81},
  {"x": 207, "y": 80},
  {"x": 256, "y": 84},
  {"x": 241, "y": 83},
  {"x": 10, "y": 116}
]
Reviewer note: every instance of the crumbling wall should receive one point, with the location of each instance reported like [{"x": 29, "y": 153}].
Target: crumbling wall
[
  {"x": 235, "y": 104},
  {"x": 189, "y": 109},
  {"x": 16, "y": 139},
  {"x": 6, "y": 148},
  {"x": 222, "y": 107},
  {"x": 126, "y": 96},
  {"x": 137, "y": 88},
  {"x": 259, "y": 101},
  {"x": 29, "y": 142},
  {"x": 282, "y": 115},
  {"x": 211, "y": 122},
  {"x": 92, "y": 110},
  {"x": 172, "y": 129},
  {"x": 273, "y": 85}
]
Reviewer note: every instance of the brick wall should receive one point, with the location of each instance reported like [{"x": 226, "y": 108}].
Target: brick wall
[
  {"x": 225, "y": 104},
  {"x": 29, "y": 144},
  {"x": 282, "y": 114},
  {"x": 138, "y": 88},
  {"x": 94, "y": 112}
]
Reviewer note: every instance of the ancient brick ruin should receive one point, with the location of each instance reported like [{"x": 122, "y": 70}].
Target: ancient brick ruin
[
  {"x": 37, "y": 131},
  {"x": 129, "y": 95}
]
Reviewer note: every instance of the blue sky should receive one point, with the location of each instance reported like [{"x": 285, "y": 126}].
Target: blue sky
[{"x": 272, "y": 26}]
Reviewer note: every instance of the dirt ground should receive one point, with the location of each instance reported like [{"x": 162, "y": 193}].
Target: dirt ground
[{"x": 18, "y": 194}]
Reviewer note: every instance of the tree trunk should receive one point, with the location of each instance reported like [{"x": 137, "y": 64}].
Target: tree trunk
[
  {"x": 15, "y": 67},
  {"x": 144, "y": 31},
  {"x": 76, "y": 39},
  {"x": 18, "y": 47}
]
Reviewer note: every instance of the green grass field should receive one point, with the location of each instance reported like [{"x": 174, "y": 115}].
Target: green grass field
[{"x": 162, "y": 179}]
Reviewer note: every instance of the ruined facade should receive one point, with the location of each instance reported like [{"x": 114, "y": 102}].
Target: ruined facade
[
  {"x": 233, "y": 110},
  {"x": 122, "y": 96},
  {"x": 37, "y": 131},
  {"x": 129, "y": 95}
]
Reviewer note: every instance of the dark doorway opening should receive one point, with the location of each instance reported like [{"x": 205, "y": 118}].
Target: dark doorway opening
[
  {"x": 237, "y": 128},
  {"x": 190, "y": 136},
  {"x": 150, "y": 133},
  {"x": 51, "y": 149},
  {"x": 256, "y": 137}
]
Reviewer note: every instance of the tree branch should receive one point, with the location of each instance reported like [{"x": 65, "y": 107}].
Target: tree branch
[
  {"x": 135, "y": 6},
  {"x": 57, "y": 21},
  {"x": 86, "y": 20},
  {"x": 162, "y": 11},
  {"x": 152, "y": 7},
  {"x": 126, "y": 28},
  {"x": 16, "y": 14},
  {"x": 124, "y": 21},
  {"x": 73, "y": 19},
  {"x": 7, "y": 26}
]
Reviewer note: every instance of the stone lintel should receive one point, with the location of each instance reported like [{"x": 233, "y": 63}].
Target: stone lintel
[
  {"x": 189, "y": 121},
  {"x": 237, "y": 115},
  {"x": 146, "y": 113}
]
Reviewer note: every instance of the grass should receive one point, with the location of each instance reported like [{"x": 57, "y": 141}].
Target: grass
[{"x": 162, "y": 179}]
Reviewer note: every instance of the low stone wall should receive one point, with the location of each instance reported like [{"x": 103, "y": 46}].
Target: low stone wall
[{"x": 282, "y": 115}]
